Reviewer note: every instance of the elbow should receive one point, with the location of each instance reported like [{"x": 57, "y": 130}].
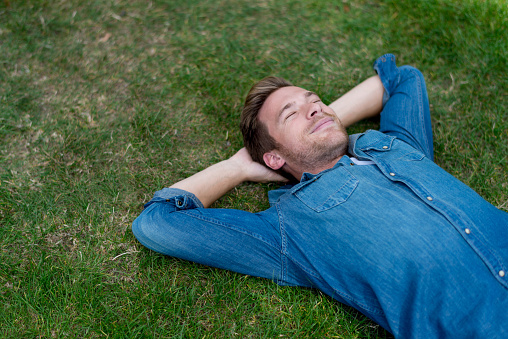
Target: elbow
[
  {"x": 159, "y": 228},
  {"x": 147, "y": 229},
  {"x": 141, "y": 228}
]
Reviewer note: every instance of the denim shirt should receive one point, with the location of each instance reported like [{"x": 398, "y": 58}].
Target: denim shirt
[{"x": 401, "y": 240}]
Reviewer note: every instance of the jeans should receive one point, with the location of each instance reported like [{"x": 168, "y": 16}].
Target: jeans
[{"x": 401, "y": 240}]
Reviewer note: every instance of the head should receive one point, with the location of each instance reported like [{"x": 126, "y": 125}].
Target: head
[
  {"x": 289, "y": 128},
  {"x": 256, "y": 138}
]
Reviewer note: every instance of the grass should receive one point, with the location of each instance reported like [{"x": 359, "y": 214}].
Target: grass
[{"x": 104, "y": 102}]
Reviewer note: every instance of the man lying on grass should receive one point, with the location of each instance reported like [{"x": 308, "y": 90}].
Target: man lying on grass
[{"x": 373, "y": 222}]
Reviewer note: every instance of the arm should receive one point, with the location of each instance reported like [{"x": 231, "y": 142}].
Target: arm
[
  {"x": 216, "y": 180},
  {"x": 363, "y": 101},
  {"x": 174, "y": 223},
  {"x": 406, "y": 111}
]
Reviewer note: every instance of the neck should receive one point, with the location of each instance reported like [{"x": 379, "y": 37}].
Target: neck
[{"x": 297, "y": 171}]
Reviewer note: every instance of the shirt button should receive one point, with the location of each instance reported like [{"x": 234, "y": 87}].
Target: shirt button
[
  {"x": 429, "y": 198},
  {"x": 352, "y": 164},
  {"x": 385, "y": 147},
  {"x": 392, "y": 174},
  {"x": 179, "y": 203},
  {"x": 467, "y": 230},
  {"x": 501, "y": 273}
]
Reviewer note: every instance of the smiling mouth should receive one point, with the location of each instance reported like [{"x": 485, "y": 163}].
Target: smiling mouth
[{"x": 321, "y": 124}]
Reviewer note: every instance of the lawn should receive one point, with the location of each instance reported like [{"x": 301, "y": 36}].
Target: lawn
[{"x": 104, "y": 102}]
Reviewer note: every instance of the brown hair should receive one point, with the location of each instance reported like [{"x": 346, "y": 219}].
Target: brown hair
[{"x": 256, "y": 138}]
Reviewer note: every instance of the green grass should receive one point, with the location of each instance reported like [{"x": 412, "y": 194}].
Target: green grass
[{"x": 104, "y": 102}]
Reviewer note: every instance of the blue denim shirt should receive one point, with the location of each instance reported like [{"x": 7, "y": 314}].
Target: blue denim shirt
[{"x": 401, "y": 240}]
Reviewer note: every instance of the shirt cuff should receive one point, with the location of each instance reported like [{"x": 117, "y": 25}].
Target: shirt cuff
[
  {"x": 384, "y": 65},
  {"x": 181, "y": 199}
]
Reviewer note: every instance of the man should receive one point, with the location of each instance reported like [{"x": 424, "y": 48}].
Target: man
[{"x": 373, "y": 221}]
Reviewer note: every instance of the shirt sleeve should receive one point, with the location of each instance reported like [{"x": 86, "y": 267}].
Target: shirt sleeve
[
  {"x": 406, "y": 113},
  {"x": 175, "y": 223}
]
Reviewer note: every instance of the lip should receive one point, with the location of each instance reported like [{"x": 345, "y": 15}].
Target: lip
[{"x": 321, "y": 124}]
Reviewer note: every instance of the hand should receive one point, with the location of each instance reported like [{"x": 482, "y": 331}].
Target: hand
[{"x": 254, "y": 171}]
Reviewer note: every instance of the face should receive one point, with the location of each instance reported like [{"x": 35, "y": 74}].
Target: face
[{"x": 309, "y": 133}]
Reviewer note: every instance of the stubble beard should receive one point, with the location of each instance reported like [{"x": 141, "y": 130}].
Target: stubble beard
[{"x": 320, "y": 153}]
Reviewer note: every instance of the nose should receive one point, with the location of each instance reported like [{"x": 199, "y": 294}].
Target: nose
[{"x": 313, "y": 109}]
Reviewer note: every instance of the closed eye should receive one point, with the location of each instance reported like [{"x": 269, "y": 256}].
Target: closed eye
[{"x": 289, "y": 115}]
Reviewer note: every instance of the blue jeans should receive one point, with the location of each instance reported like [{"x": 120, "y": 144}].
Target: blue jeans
[{"x": 401, "y": 240}]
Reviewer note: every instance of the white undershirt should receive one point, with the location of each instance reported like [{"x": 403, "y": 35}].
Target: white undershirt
[{"x": 361, "y": 162}]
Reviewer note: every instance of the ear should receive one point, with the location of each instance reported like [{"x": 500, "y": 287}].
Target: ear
[{"x": 273, "y": 160}]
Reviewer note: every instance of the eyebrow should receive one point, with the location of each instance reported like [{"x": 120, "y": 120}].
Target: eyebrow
[{"x": 290, "y": 104}]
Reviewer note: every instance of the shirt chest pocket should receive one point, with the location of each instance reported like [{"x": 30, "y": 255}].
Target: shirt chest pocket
[{"x": 328, "y": 190}]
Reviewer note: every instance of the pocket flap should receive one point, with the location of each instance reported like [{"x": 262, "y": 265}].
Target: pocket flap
[{"x": 328, "y": 190}]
